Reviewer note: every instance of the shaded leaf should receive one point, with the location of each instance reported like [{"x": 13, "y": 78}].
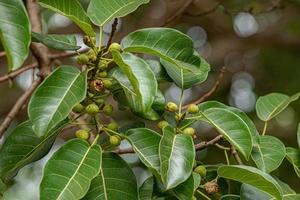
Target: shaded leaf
[
  {"x": 197, "y": 180},
  {"x": 184, "y": 190},
  {"x": 269, "y": 153},
  {"x": 176, "y": 51},
  {"x": 54, "y": 41},
  {"x": 270, "y": 105},
  {"x": 103, "y": 11},
  {"x": 177, "y": 155},
  {"x": 146, "y": 189},
  {"x": 231, "y": 126},
  {"x": 69, "y": 172},
  {"x": 116, "y": 181},
  {"x": 145, "y": 143},
  {"x": 22, "y": 147},
  {"x": 55, "y": 97},
  {"x": 14, "y": 32},
  {"x": 298, "y": 136},
  {"x": 293, "y": 156},
  {"x": 133, "y": 125},
  {"x": 71, "y": 9},
  {"x": 253, "y": 177},
  {"x": 230, "y": 197},
  {"x": 159, "y": 102},
  {"x": 159, "y": 70},
  {"x": 139, "y": 84}
]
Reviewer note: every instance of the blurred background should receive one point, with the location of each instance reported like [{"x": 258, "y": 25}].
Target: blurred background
[{"x": 258, "y": 41}]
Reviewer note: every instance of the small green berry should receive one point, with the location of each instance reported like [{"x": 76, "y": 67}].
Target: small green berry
[
  {"x": 92, "y": 109},
  {"x": 113, "y": 126},
  {"x": 108, "y": 109},
  {"x": 102, "y": 66},
  {"x": 194, "y": 198},
  {"x": 189, "y": 131},
  {"x": 82, "y": 59},
  {"x": 92, "y": 55},
  {"x": 201, "y": 170},
  {"x": 102, "y": 74},
  {"x": 193, "y": 108},
  {"x": 114, "y": 47},
  {"x": 82, "y": 134},
  {"x": 107, "y": 83},
  {"x": 171, "y": 106},
  {"x": 78, "y": 108},
  {"x": 162, "y": 124},
  {"x": 115, "y": 140}
]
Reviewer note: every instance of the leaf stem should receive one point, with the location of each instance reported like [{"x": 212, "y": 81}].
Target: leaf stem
[
  {"x": 100, "y": 38},
  {"x": 95, "y": 140},
  {"x": 204, "y": 195},
  {"x": 265, "y": 128},
  {"x": 227, "y": 158},
  {"x": 180, "y": 101}
]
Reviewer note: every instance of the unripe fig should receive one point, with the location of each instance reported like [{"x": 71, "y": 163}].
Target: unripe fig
[
  {"x": 171, "y": 106},
  {"x": 113, "y": 126},
  {"x": 115, "y": 140},
  {"x": 107, "y": 109},
  {"x": 92, "y": 55},
  {"x": 193, "y": 108},
  {"x": 92, "y": 109},
  {"x": 201, "y": 170},
  {"x": 107, "y": 83},
  {"x": 114, "y": 47},
  {"x": 78, "y": 108},
  {"x": 194, "y": 198},
  {"x": 162, "y": 124},
  {"x": 82, "y": 134},
  {"x": 82, "y": 59},
  {"x": 189, "y": 131},
  {"x": 102, "y": 74}
]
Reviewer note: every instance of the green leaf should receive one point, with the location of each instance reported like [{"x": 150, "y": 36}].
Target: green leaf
[
  {"x": 184, "y": 190},
  {"x": 55, "y": 98},
  {"x": 253, "y": 177},
  {"x": 241, "y": 114},
  {"x": 116, "y": 181},
  {"x": 231, "y": 126},
  {"x": 73, "y": 10},
  {"x": 176, "y": 51},
  {"x": 103, "y": 11},
  {"x": 270, "y": 105},
  {"x": 159, "y": 70},
  {"x": 54, "y": 41},
  {"x": 159, "y": 102},
  {"x": 139, "y": 84},
  {"x": 231, "y": 197},
  {"x": 293, "y": 156},
  {"x": 197, "y": 180},
  {"x": 145, "y": 143},
  {"x": 146, "y": 189},
  {"x": 69, "y": 172},
  {"x": 23, "y": 147},
  {"x": 177, "y": 154},
  {"x": 14, "y": 32},
  {"x": 268, "y": 154}
]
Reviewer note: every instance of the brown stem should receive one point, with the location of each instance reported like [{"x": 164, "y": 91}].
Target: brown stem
[
  {"x": 236, "y": 156},
  {"x": 15, "y": 73},
  {"x": 205, "y": 144},
  {"x": 18, "y": 106},
  {"x": 124, "y": 151},
  {"x": 212, "y": 10},
  {"x": 2, "y": 54},
  {"x": 179, "y": 11},
  {"x": 112, "y": 33},
  {"x": 213, "y": 89}
]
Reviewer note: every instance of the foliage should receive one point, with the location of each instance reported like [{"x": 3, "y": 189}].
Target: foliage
[{"x": 89, "y": 167}]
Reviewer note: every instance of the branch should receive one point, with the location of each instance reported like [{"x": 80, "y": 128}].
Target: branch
[
  {"x": 179, "y": 11},
  {"x": 236, "y": 156},
  {"x": 124, "y": 151},
  {"x": 213, "y": 89},
  {"x": 15, "y": 73},
  {"x": 206, "y": 144},
  {"x": 112, "y": 33},
  {"x": 2, "y": 54},
  {"x": 208, "y": 11},
  {"x": 67, "y": 54},
  {"x": 18, "y": 106}
]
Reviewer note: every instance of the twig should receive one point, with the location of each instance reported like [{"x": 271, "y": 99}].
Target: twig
[
  {"x": 205, "y": 144},
  {"x": 212, "y": 10},
  {"x": 67, "y": 54},
  {"x": 213, "y": 89},
  {"x": 179, "y": 11},
  {"x": 15, "y": 73},
  {"x": 112, "y": 33},
  {"x": 236, "y": 156},
  {"x": 18, "y": 106},
  {"x": 124, "y": 151}
]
